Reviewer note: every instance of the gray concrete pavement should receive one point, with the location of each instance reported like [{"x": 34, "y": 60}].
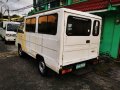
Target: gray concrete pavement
[
  {"x": 10, "y": 46},
  {"x": 22, "y": 74}
]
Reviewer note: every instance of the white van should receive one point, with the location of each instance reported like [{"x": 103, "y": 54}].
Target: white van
[
  {"x": 8, "y": 30},
  {"x": 62, "y": 39}
]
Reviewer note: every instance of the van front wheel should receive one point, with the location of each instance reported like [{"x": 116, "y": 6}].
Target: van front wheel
[
  {"x": 20, "y": 52},
  {"x": 42, "y": 68}
]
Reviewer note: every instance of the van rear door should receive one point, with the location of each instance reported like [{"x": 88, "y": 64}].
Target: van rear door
[
  {"x": 76, "y": 38},
  {"x": 95, "y": 39}
]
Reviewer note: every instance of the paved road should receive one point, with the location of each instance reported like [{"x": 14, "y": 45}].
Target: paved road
[
  {"x": 10, "y": 46},
  {"x": 22, "y": 74}
]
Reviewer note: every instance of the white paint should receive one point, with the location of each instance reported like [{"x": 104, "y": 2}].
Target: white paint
[
  {"x": 96, "y": 11},
  {"x": 4, "y": 32},
  {"x": 61, "y": 50}
]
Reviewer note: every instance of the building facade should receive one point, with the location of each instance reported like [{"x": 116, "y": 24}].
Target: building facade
[{"x": 109, "y": 10}]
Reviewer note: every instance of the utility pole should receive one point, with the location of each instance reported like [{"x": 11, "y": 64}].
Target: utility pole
[
  {"x": 5, "y": 11},
  {"x": 9, "y": 19},
  {"x": 1, "y": 13},
  {"x": 4, "y": 5},
  {"x": 1, "y": 10}
]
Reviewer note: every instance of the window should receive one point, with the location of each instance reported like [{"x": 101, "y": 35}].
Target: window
[
  {"x": 30, "y": 24},
  {"x": 12, "y": 27},
  {"x": 42, "y": 24},
  {"x": 48, "y": 24},
  {"x": 96, "y": 27},
  {"x": 77, "y": 26}
]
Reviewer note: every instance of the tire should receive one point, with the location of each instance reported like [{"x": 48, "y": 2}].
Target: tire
[
  {"x": 43, "y": 68},
  {"x": 20, "y": 52}
]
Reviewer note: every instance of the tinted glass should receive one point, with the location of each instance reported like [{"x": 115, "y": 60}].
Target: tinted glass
[
  {"x": 52, "y": 24},
  {"x": 77, "y": 26},
  {"x": 48, "y": 24},
  {"x": 96, "y": 27},
  {"x": 30, "y": 24},
  {"x": 42, "y": 24},
  {"x": 12, "y": 27},
  {"x": 27, "y": 25}
]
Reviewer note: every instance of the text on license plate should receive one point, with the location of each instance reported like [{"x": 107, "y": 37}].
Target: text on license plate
[{"x": 81, "y": 65}]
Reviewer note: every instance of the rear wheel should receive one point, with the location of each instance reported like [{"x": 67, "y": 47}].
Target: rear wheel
[{"x": 42, "y": 68}]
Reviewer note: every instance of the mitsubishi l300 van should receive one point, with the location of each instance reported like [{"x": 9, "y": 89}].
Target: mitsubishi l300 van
[{"x": 62, "y": 39}]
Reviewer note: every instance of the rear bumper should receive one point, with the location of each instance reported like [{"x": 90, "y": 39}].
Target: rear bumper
[
  {"x": 10, "y": 38},
  {"x": 72, "y": 67}
]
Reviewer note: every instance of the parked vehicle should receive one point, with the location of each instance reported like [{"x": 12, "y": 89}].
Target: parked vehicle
[
  {"x": 8, "y": 30},
  {"x": 62, "y": 39}
]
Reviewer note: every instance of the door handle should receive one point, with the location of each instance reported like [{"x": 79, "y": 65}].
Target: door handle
[{"x": 87, "y": 41}]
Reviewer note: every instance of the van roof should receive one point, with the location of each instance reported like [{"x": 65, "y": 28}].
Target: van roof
[
  {"x": 80, "y": 12},
  {"x": 69, "y": 11}
]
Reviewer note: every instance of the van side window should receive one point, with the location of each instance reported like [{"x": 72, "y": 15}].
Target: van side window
[
  {"x": 42, "y": 24},
  {"x": 48, "y": 24},
  {"x": 30, "y": 24},
  {"x": 96, "y": 27},
  {"x": 77, "y": 26}
]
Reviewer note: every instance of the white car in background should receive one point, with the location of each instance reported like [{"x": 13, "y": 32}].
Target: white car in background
[{"x": 8, "y": 30}]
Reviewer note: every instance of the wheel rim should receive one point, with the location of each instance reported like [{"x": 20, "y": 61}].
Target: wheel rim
[{"x": 41, "y": 66}]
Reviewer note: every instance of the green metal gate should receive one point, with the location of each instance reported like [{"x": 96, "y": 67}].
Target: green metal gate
[{"x": 110, "y": 36}]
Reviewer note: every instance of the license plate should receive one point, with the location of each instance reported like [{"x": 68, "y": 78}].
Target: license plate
[{"x": 78, "y": 66}]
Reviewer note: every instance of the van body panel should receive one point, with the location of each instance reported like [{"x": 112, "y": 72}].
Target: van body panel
[
  {"x": 60, "y": 49},
  {"x": 94, "y": 46}
]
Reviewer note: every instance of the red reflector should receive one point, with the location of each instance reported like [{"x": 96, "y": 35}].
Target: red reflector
[{"x": 66, "y": 71}]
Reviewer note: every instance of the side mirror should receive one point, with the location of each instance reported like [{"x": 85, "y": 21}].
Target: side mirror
[{"x": 20, "y": 31}]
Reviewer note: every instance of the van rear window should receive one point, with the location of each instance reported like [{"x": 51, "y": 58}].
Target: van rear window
[
  {"x": 96, "y": 27},
  {"x": 77, "y": 26}
]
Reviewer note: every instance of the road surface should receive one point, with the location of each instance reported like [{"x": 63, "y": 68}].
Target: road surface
[{"x": 22, "y": 74}]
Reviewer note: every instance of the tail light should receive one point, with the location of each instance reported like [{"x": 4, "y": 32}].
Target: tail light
[{"x": 66, "y": 71}]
